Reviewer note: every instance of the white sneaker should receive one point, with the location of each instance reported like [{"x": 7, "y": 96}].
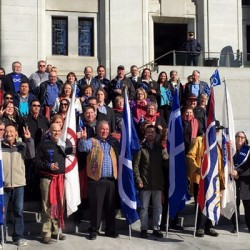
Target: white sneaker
[{"x": 20, "y": 243}]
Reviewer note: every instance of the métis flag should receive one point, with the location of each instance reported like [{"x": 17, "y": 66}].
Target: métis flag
[
  {"x": 215, "y": 78},
  {"x": 178, "y": 193},
  {"x": 1, "y": 188},
  {"x": 129, "y": 146},
  {"x": 209, "y": 187},
  {"x": 228, "y": 151},
  {"x": 72, "y": 184}
]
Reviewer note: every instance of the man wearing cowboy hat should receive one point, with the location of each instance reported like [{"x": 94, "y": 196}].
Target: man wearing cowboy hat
[{"x": 194, "y": 161}]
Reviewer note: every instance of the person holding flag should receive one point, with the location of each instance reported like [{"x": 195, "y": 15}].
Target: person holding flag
[
  {"x": 241, "y": 174},
  {"x": 178, "y": 185},
  {"x": 50, "y": 162},
  {"x": 148, "y": 166},
  {"x": 129, "y": 146},
  {"x": 209, "y": 168},
  {"x": 194, "y": 161}
]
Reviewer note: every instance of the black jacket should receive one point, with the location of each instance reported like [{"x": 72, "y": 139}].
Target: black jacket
[
  {"x": 37, "y": 127},
  {"x": 243, "y": 183},
  {"x": 48, "y": 152},
  {"x": 109, "y": 117},
  {"x": 16, "y": 99},
  {"x": 148, "y": 87},
  {"x": 124, "y": 83},
  {"x": 8, "y": 85}
]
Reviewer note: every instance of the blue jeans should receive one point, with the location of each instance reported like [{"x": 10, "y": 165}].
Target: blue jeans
[
  {"x": 16, "y": 195},
  {"x": 145, "y": 196}
]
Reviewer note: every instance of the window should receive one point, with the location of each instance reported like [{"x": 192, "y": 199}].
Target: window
[
  {"x": 85, "y": 37},
  {"x": 59, "y": 36},
  {"x": 245, "y": 2}
]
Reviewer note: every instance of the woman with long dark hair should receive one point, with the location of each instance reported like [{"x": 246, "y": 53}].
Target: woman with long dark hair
[
  {"x": 66, "y": 93},
  {"x": 166, "y": 96}
]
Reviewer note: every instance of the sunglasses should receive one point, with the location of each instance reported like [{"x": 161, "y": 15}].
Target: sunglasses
[
  {"x": 64, "y": 104},
  {"x": 36, "y": 105},
  {"x": 8, "y": 98}
]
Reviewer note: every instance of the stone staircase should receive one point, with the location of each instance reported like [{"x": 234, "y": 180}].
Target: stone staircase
[{"x": 33, "y": 225}]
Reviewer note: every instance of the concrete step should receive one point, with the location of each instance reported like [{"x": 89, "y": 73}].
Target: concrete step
[{"x": 33, "y": 225}]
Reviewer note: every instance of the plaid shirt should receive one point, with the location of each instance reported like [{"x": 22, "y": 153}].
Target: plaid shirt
[{"x": 86, "y": 146}]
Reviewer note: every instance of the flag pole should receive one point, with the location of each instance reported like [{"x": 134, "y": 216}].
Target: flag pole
[
  {"x": 2, "y": 232},
  {"x": 196, "y": 216},
  {"x": 167, "y": 222},
  {"x": 231, "y": 159},
  {"x": 129, "y": 231}
]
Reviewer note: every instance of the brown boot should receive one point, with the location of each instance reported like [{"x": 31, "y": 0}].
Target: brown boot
[{"x": 47, "y": 240}]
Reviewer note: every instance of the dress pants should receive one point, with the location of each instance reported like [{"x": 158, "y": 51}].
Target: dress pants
[
  {"x": 101, "y": 196},
  {"x": 50, "y": 226}
]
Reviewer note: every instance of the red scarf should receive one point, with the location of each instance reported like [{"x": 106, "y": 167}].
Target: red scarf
[
  {"x": 194, "y": 125},
  {"x": 141, "y": 108},
  {"x": 151, "y": 118},
  {"x": 118, "y": 109},
  {"x": 56, "y": 194}
]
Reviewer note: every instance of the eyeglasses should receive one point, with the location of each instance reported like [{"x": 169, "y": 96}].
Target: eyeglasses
[
  {"x": 2, "y": 129},
  {"x": 36, "y": 105},
  {"x": 42, "y": 65},
  {"x": 8, "y": 98},
  {"x": 241, "y": 137}
]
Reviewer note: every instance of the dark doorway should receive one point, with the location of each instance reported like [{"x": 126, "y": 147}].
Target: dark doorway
[
  {"x": 169, "y": 37},
  {"x": 248, "y": 42}
]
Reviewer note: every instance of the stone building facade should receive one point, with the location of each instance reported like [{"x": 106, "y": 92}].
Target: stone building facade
[{"x": 73, "y": 34}]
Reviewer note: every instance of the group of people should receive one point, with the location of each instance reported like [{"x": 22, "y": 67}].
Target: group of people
[{"x": 32, "y": 115}]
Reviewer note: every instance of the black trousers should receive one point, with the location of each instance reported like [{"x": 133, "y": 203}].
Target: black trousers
[
  {"x": 246, "y": 205},
  {"x": 202, "y": 221},
  {"x": 102, "y": 196},
  {"x": 192, "y": 60}
]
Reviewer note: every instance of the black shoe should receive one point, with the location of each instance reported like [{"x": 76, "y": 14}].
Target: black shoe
[
  {"x": 199, "y": 233},
  {"x": 163, "y": 228},
  {"x": 234, "y": 231},
  {"x": 144, "y": 234},
  {"x": 60, "y": 237},
  {"x": 92, "y": 235},
  {"x": 177, "y": 227},
  {"x": 112, "y": 235},
  {"x": 158, "y": 233},
  {"x": 211, "y": 232}
]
